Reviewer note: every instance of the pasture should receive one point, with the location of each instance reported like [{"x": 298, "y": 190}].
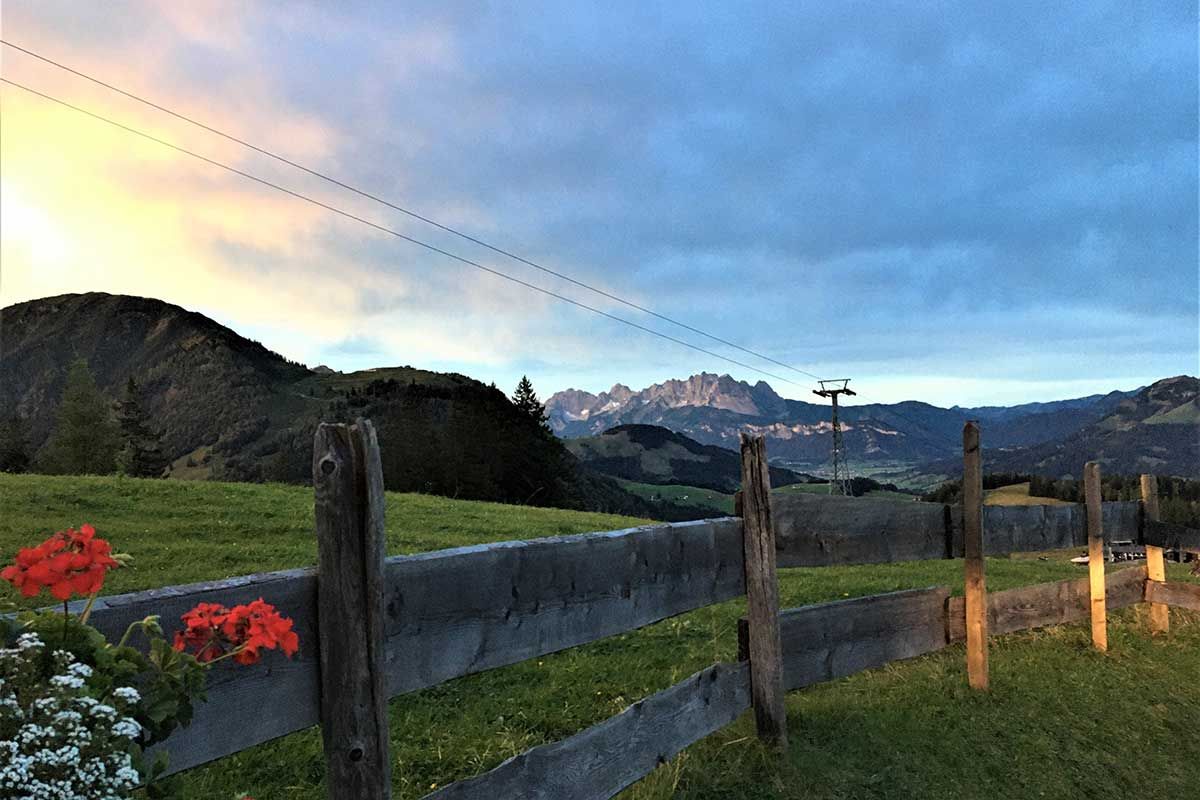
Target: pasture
[{"x": 1061, "y": 720}]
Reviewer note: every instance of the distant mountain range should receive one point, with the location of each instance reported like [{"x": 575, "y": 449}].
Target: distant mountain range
[
  {"x": 650, "y": 454},
  {"x": 1156, "y": 428}
]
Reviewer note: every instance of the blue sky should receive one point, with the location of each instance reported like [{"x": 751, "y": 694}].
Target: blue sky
[{"x": 958, "y": 203}]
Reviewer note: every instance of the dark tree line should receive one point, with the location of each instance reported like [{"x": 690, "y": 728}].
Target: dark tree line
[
  {"x": 1178, "y": 498},
  {"x": 92, "y": 436},
  {"x": 457, "y": 440}
]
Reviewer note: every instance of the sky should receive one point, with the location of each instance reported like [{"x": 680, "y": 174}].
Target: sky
[{"x": 957, "y": 203}]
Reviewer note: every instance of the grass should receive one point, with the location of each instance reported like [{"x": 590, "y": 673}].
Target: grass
[
  {"x": 682, "y": 495},
  {"x": 187, "y": 531},
  {"x": 823, "y": 488},
  {"x": 1017, "y": 494},
  {"x": 1061, "y": 721},
  {"x": 708, "y": 498}
]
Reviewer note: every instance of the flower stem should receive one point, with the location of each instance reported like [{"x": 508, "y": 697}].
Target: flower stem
[
  {"x": 87, "y": 610},
  {"x": 232, "y": 652},
  {"x": 128, "y": 633}
]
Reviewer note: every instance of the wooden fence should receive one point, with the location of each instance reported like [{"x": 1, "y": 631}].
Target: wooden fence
[{"x": 375, "y": 627}]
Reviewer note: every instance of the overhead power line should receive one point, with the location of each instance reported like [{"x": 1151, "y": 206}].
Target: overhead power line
[
  {"x": 417, "y": 216},
  {"x": 390, "y": 231},
  {"x": 409, "y": 212}
]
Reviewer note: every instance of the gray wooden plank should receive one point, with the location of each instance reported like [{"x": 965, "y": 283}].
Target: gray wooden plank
[
  {"x": 455, "y": 612},
  {"x": 246, "y": 705},
  {"x": 1032, "y": 529},
  {"x": 1170, "y": 536},
  {"x": 1173, "y": 593},
  {"x": 832, "y": 640},
  {"x": 1047, "y": 604},
  {"x": 826, "y": 530},
  {"x": 1017, "y": 529},
  {"x": 610, "y": 756},
  {"x": 1121, "y": 520}
]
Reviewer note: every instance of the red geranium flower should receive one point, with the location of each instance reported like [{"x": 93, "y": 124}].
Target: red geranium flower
[
  {"x": 202, "y": 632},
  {"x": 213, "y": 631},
  {"x": 69, "y": 562}
]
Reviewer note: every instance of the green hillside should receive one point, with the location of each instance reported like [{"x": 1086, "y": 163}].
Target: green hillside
[
  {"x": 696, "y": 497},
  {"x": 224, "y": 407},
  {"x": 185, "y": 531},
  {"x": 652, "y": 454},
  {"x": 1060, "y": 721}
]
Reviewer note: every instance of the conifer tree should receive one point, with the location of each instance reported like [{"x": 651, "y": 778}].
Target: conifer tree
[
  {"x": 85, "y": 440},
  {"x": 526, "y": 399},
  {"x": 141, "y": 454},
  {"x": 14, "y": 445}
]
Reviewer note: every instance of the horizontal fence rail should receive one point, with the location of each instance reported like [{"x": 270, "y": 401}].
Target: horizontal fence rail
[
  {"x": 832, "y": 640},
  {"x": 1047, "y": 604},
  {"x": 1168, "y": 535},
  {"x": 454, "y": 612},
  {"x": 1180, "y": 595},
  {"x": 609, "y": 756},
  {"x": 829, "y": 530}
]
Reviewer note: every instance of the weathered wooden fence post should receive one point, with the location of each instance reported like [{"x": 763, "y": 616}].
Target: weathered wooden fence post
[
  {"x": 762, "y": 593},
  {"x": 1095, "y": 529},
  {"x": 1160, "y": 615},
  {"x": 351, "y": 545},
  {"x": 1156, "y": 567},
  {"x": 976, "y": 583}
]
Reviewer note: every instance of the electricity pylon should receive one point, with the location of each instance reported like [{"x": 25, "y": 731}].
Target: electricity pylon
[{"x": 840, "y": 482}]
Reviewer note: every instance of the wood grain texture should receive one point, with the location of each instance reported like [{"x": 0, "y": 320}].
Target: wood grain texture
[
  {"x": 975, "y": 591},
  {"x": 1156, "y": 569},
  {"x": 1047, "y": 604},
  {"x": 765, "y": 650},
  {"x": 830, "y": 530},
  {"x": 1091, "y": 490},
  {"x": 1031, "y": 529},
  {"x": 246, "y": 705},
  {"x": 606, "y": 758},
  {"x": 351, "y": 546},
  {"x": 455, "y": 612},
  {"x": 832, "y": 640},
  {"x": 1180, "y": 595}
]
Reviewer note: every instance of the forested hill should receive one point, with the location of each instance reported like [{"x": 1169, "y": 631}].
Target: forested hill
[
  {"x": 650, "y": 454},
  {"x": 1157, "y": 430},
  {"x": 226, "y": 407},
  {"x": 201, "y": 380}
]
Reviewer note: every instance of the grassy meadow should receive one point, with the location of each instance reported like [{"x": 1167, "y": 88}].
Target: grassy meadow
[
  {"x": 1061, "y": 721},
  {"x": 682, "y": 495},
  {"x": 1017, "y": 494}
]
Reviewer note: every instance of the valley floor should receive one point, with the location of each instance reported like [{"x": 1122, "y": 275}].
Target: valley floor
[{"x": 1061, "y": 721}]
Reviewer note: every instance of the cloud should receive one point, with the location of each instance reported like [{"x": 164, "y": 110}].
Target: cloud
[{"x": 948, "y": 191}]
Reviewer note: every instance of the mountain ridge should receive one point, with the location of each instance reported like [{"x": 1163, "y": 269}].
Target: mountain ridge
[{"x": 714, "y": 409}]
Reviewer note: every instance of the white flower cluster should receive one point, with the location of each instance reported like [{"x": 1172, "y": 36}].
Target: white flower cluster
[{"x": 57, "y": 743}]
